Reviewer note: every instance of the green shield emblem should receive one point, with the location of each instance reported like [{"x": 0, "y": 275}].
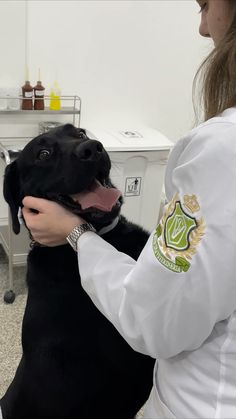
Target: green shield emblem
[{"x": 178, "y": 227}]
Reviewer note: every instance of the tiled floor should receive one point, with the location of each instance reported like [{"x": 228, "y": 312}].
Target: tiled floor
[{"x": 10, "y": 322}]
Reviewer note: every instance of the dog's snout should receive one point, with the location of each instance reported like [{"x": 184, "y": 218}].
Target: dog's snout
[{"x": 89, "y": 150}]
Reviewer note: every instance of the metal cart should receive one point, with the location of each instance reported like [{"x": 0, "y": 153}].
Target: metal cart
[{"x": 17, "y": 247}]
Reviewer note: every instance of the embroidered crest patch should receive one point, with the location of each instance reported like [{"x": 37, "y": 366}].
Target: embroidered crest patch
[{"x": 178, "y": 234}]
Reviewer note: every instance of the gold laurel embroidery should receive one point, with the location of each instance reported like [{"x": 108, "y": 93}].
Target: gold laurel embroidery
[
  {"x": 194, "y": 238},
  {"x": 168, "y": 255}
]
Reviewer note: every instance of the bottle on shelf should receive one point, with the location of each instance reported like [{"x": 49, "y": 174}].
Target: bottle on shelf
[
  {"x": 39, "y": 95},
  {"x": 27, "y": 93},
  {"x": 55, "y": 97}
]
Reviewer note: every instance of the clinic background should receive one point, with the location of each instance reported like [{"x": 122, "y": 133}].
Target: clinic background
[{"x": 131, "y": 62}]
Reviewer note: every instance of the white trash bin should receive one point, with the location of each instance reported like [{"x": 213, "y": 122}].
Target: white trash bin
[{"x": 138, "y": 160}]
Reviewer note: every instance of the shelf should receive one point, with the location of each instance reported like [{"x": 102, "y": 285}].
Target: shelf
[
  {"x": 70, "y": 105},
  {"x": 66, "y": 110}
]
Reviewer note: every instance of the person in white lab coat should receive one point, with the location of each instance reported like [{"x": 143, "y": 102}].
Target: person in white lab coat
[{"x": 177, "y": 303}]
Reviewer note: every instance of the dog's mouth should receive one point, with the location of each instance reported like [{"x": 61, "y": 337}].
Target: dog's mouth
[
  {"x": 97, "y": 197},
  {"x": 99, "y": 202}
]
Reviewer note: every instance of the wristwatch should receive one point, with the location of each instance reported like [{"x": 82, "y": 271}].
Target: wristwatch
[{"x": 77, "y": 231}]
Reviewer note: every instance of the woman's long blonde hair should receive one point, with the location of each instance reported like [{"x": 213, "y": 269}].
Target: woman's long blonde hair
[{"x": 217, "y": 74}]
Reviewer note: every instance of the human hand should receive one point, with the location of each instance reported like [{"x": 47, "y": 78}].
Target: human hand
[{"x": 51, "y": 224}]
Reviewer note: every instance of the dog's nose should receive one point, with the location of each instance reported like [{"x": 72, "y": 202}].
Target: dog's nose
[{"x": 89, "y": 150}]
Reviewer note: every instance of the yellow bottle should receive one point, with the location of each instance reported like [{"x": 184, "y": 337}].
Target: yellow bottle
[{"x": 55, "y": 97}]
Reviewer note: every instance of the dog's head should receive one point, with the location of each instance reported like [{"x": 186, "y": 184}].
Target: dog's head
[{"x": 65, "y": 166}]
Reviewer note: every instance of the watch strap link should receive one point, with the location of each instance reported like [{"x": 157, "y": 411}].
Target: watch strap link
[{"x": 77, "y": 231}]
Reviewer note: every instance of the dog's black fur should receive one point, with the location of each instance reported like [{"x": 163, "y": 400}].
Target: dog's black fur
[{"x": 75, "y": 365}]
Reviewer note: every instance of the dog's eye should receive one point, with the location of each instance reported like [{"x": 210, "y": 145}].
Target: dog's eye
[{"x": 44, "y": 154}]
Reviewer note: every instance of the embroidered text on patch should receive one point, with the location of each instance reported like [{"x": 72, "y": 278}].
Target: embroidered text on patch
[{"x": 178, "y": 234}]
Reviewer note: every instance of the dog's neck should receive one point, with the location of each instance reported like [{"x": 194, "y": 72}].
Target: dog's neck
[{"x": 109, "y": 227}]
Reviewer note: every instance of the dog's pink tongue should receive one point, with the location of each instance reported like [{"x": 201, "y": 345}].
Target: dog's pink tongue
[{"x": 97, "y": 196}]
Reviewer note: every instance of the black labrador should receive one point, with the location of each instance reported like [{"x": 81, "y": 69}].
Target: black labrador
[{"x": 75, "y": 365}]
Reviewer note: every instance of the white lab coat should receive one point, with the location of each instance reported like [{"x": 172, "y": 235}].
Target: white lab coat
[{"x": 181, "y": 311}]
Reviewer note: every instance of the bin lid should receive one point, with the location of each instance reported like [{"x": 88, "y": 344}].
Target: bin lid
[{"x": 145, "y": 139}]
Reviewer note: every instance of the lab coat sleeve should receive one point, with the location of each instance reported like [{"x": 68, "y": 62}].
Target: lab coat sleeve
[{"x": 158, "y": 311}]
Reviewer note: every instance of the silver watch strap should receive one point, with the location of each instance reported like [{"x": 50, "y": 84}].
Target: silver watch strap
[{"x": 77, "y": 231}]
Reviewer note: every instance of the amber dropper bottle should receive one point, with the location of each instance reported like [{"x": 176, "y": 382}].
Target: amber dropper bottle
[
  {"x": 39, "y": 94},
  {"x": 27, "y": 93}
]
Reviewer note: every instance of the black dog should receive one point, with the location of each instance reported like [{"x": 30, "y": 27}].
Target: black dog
[{"x": 75, "y": 365}]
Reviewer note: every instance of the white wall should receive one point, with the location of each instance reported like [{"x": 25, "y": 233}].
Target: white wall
[
  {"x": 132, "y": 62},
  {"x": 12, "y": 42}
]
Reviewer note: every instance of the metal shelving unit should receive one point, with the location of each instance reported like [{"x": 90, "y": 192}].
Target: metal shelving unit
[
  {"x": 70, "y": 105},
  {"x": 17, "y": 247}
]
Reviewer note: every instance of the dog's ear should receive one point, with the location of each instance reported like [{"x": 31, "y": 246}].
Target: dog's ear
[{"x": 11, "y": 193}]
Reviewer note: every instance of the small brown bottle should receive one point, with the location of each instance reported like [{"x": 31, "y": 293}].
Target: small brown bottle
[
  {"x": 27, "y": 93},
  {"x": 39, "y": 96}
]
